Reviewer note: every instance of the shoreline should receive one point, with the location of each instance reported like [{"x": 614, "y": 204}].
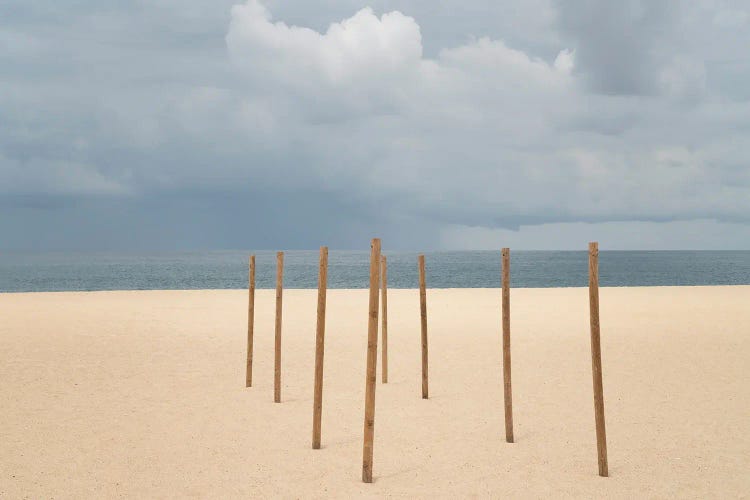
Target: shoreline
[{"x": 601, "y": 287}]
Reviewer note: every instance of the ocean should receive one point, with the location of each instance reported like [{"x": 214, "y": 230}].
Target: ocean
[{"x": 37, "y": 272}]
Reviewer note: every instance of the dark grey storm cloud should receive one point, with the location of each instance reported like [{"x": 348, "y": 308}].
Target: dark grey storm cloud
[
  {"x": 620, "y": 46},
  {"x": 164, "y": 124}
]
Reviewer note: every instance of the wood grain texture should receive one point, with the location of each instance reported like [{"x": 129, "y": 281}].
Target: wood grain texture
[
  {"x": 596, "y": 359},
  {"x": 250, "y": 321},
  {"x": 384, "y": 320},
  {"x": 423, "y": 317},
  {"x": 372, "y": 360},
  {"x": 277, "y": 340},
  {"x": 320, "y": 333},
  {"x": 507, "y": 391}
]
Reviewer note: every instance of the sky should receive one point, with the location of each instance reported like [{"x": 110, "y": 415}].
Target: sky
[{"x": 462, "y": 124}]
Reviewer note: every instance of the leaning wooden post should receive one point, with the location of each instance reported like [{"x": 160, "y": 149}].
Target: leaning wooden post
[
  {"x": 277, "y": 344},
  {"x": 250, "y": 322},
  {"x": 384, "y": 320},
  {"x": 507, "y": 393},
  {"x": 596, "y": 358},
  {"x": 372, "y": 360},
  {"x": 423, "y": 314},
  {"x": 319, "y": 345}
]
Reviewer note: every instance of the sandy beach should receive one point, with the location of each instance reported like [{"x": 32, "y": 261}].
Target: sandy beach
[{"x": 141, "y": 394}]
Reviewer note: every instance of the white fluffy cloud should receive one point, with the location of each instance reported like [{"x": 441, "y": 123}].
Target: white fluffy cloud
[
  {"x": 370, "y": 55},
  {"x": 361, "y": 96},
  {"x": 351, "y": 52}
]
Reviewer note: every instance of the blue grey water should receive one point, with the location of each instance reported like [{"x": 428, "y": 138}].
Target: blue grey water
[{"x": 21, "y": 272}]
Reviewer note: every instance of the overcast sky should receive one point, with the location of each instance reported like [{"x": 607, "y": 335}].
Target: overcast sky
[{"x": 461, "y": 124}]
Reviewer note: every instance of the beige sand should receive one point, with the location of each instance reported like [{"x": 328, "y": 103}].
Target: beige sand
[{"x": 141, "y": 394}]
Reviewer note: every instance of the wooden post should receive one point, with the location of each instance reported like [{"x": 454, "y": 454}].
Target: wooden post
[
  {"x": 277, "y": 344},
  {"x": 319, "y": 347},
  {"x": 507, "y": 393},
  {"x": 596, "y": 359},
  {"x": 372, "y": 361},
  {"x": 250, "y": 322},
  {"x": 384, "y": 320},
  {"x": 423, "y": 314}
]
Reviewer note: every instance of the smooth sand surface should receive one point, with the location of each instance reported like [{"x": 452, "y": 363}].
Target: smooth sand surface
[{"x": 141, "y": 394}]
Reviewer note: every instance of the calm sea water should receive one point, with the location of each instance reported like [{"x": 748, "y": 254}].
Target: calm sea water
[{"x": 347, "y": 269}]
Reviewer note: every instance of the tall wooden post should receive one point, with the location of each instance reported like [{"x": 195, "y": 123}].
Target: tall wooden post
[
  {"x": 250, "y": 322},
  {"x": 507, "y": 393},
  {"x": 277, "y": 344},
  {"x": 372, "y": 360},
  {"x": 319, "y": 347},
  {"x": 423, "y": 314},
  {"x": 596, "y": 359},
  {"x": 384, "y": 320}
]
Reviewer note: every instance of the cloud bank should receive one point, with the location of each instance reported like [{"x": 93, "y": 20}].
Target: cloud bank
[
  {"x": 484, "y": 132},
  {"x": 539, "y": 112}
]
